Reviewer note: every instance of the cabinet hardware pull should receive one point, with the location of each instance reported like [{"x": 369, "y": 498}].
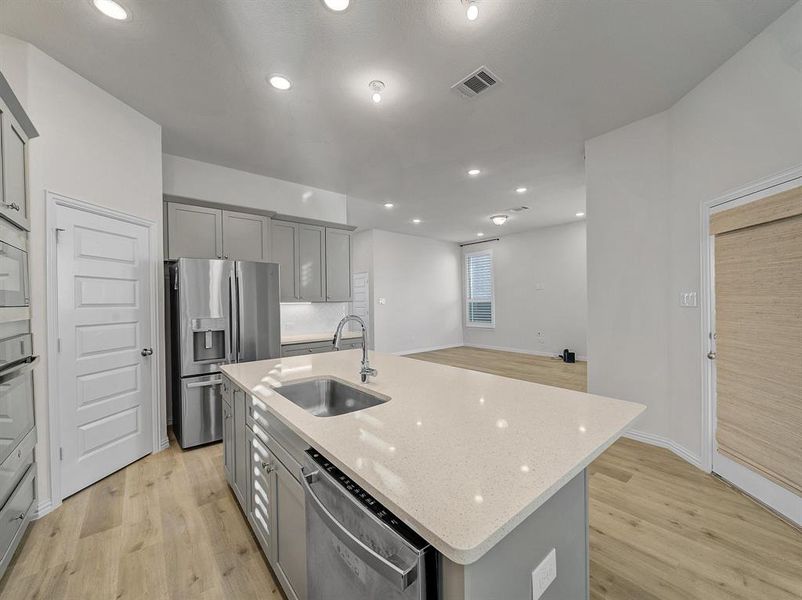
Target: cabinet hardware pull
[
  {"x": 11, "y": 205},
  {"x": 268, "y": 468}
]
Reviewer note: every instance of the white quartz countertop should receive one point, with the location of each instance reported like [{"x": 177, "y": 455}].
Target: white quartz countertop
[
  {"x": 306, "y": 338},
  {"x": 462, "y": 457}
]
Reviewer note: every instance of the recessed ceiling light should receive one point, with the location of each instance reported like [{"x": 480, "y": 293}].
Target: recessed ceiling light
[
  {"x": 416, "y": 221},
  {"x": 520, "y": 190},
  {"x": 388, "y": 205},
  {"x": 480, "y": 234},
  {"x": 580, "y": 214},
  {"x": 472, "y": 12},
  {"x": 337, "y": 5},
  {"x": 499, "y": 219},
  {"x": 280, "y": 82},
  {"x": 112, "y": 9},
  {"x": 474, "y": 172}
]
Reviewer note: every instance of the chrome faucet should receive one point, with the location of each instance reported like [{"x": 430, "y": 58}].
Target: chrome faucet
[{"x": 366, "y": 371}]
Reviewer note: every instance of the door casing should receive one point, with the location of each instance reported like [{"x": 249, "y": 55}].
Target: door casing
[
  {"x": 52, "y": 202},
  {"x": 772, "y": 495}
]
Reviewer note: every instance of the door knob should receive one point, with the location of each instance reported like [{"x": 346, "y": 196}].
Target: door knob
[
  {"x": 711, "y": 355},
  {"x": 147, "y": 351}
]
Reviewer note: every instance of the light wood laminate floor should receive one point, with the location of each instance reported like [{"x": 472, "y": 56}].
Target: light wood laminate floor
[{"x": 168, "y": 527}]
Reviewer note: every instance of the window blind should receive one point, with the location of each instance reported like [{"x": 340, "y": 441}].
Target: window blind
[{"x": 479, "y": 289}]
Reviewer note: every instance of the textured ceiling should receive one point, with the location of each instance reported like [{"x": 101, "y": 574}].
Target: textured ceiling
[{"x": 571, "y": 70}]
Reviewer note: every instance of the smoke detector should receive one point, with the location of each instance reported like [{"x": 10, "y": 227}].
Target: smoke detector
[{"x": 481, "y": 80}]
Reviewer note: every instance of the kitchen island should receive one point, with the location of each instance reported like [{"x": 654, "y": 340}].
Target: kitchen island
[{"x": 490, "y": 471}]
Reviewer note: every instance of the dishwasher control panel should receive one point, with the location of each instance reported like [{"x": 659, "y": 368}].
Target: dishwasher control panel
[{"x": 368, "y": 501}]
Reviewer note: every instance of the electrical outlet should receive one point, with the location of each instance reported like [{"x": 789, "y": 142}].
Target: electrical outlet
[
  {"x": 544, "y": 574},
  {"x": 382, "y": 300}
]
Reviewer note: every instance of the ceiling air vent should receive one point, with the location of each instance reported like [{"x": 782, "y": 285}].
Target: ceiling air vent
[
  {"x": 477, "y": 82},
  {"x": 518, "y": 209}
]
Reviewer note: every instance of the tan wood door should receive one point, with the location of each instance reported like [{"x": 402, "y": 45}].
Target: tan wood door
[{"x": 758, "y": 340}]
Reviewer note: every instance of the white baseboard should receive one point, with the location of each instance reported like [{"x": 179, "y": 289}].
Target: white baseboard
[
  {"x": 42, "y": 508},
  {"x": 522, "y": 351},
  {"x": 429, "y": 349},
  {"x": 662, "y": 442}
]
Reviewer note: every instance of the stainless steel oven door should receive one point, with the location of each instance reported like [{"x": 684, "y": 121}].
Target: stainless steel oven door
[
  {"x": 13, "y": 276},
  {"x": 16, "y": 405}
]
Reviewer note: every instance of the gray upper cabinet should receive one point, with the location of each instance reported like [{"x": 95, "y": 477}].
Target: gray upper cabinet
[
  {"x": 13, "y": 186},
  {"x": 245, "y": 236},
  {"x": 312, "y": 262},
  {"x": 194, "y": 231},
  {"x": 338, "y": 265},
  {"x": 284, "y": 251}
]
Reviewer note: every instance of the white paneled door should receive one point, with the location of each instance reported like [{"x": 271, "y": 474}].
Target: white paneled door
[{"x": 104, "y": 351}]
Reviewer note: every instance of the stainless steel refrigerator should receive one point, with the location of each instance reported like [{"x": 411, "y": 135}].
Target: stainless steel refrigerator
[{"x": 221, "y": 311}]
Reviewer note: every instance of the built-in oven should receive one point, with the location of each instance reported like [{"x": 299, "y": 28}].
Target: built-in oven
[
  {"x": 16, "y": 392},
  {"x": 356, "y": 548},
  {"x": 13, "y": 276}
]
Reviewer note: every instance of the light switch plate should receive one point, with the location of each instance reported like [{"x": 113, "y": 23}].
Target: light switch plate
[{"x": 544, "y": 574}]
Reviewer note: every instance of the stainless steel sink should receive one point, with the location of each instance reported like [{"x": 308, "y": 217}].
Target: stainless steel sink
[{"x": 326, "y": 397}]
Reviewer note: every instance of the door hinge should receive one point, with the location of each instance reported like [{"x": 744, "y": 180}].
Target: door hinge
[
  {"x": 58, "y": 231},
  {"x": 58, "y": 344},
  {"x": 61, "y": 453}
]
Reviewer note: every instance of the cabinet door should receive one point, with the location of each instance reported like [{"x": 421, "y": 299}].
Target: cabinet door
[
  {"x": 241, "y": 460},
  {"x": 260, "y": 500},
  {"x": 284, "y": 251},
  {"x": 228, "y": 443},
  {"x": 338, "y": 265},
  {"x": 14, "y": 206},
  {"x": 194, "y": 231},
  {"x": 312, "y": 262},
  {"x": 289, "y": 535},
  {"x": 245, "y": 236}
]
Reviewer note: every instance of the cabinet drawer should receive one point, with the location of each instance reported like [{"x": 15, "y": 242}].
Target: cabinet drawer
[
  {"x": 16, "y": 513},
  {"x": 304, "y": 349},
  {"x": 14, "y": 467}
]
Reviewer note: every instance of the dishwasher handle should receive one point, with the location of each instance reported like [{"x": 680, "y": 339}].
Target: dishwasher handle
[{"x": 400, "y": 577}]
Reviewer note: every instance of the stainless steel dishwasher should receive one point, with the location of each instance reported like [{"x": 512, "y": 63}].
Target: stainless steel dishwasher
[{"x": 355, "y": 548}]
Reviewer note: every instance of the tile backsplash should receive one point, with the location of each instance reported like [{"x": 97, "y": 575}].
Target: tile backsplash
[{"x": 319, "y": 317}]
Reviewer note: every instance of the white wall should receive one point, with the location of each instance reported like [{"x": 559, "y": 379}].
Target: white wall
[
  {"x": 419, "y": 279},
  {"x": 540, "y": 286},
  {"x": 213, "y": 183},
  {"x": 741, "y": 124},
  {"x": 94, "y": 148}
]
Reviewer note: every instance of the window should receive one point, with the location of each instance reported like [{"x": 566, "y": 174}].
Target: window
[{"x": 479, "y": 302}]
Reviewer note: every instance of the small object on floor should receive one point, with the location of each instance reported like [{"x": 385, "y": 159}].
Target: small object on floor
[{"x": 568, "y": 356}]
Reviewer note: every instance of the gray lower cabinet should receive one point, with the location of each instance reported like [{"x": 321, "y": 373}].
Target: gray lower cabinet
[
  {"x": 245, "y": 236},
  {"x": 194, "y": 231},
  {"x": 288, "y": 350},
  {"x": 241, "y": 458},
  {"x": 228, "y": 441},
  {"x": 290, "y": 531},
  {"x": 274, "y": 500},
  {"x": 260, "y": 499},
  {"x": 338, "y": 265},
  {"x": 284, "y": 251}
]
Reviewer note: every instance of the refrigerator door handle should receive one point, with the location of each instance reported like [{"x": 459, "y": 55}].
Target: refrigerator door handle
[
  {"x": 233, "y": 319},
  {"x": 240, "y": 316}
]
